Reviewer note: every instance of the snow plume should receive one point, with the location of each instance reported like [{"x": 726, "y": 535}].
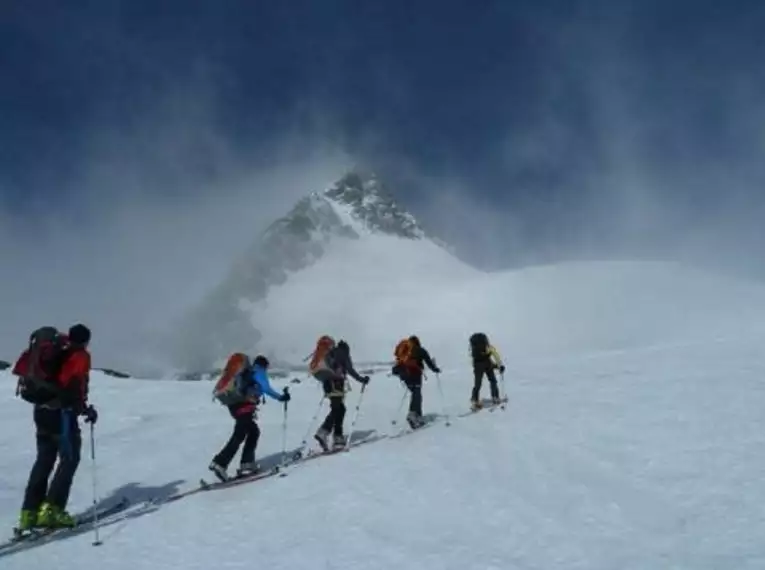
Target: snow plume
[{"x": 154, "y": 214}]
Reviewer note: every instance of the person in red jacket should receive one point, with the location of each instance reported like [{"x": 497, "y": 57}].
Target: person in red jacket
[{"x": 58, "y": 438}]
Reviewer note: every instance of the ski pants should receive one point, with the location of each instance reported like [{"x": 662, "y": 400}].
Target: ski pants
[
  {"x": 413, "y": 382},
  {"x": 480, "y": 368},
  {"x": 245, "y": 431},
  {"x": 58, "y": 438},
  {"x": 334, "y": 389}
]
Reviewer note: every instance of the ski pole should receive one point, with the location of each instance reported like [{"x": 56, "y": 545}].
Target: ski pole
[
  {"x": 304, "y": 443},
  {"x": 398, "y": 410},
  {"x": 97, "y": 540},
  {"x": 504, "y": 387},
  {"x": 355, "y": 417},
  {"x": 284, "y": 430},
  {"x": 443, "y": 400}
]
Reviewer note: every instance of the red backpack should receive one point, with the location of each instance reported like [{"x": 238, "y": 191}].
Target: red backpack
[{"x": 40, "y": 364}]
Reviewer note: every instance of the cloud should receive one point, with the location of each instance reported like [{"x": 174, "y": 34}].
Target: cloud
[
  {"x": 643, "y": 144},
  {"x": 154, "y": 217}
]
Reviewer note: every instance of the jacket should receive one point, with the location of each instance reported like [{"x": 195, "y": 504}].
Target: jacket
[
  {"x": 340, "y": 363},
  {"x": 74, "y": 379},
  {"x": 259, "y": 383},
  {"x": 71, "y": 386},
  {"x": 420, "y": 358},
  {"x": 491, "y": 356},
  {"x": 255, "y": 384}
]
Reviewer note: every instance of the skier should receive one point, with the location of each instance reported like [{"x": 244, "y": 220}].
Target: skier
[
  {"x": 486, "y": 359},
  {"x": 241, "y": 388},
  {"x": 411, "y": 358},
  {"x": 330, "y": 364},
  {"x": 53, "y": 375}
]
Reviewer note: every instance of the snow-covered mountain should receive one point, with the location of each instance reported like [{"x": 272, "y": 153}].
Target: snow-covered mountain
[
  {"x": 633, "y": 439},
  {"x": 349, "y": 228}
]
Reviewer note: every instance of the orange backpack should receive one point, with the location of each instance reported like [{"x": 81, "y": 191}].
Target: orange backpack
[
  {"x": 323, "y": 346},
  {"x": 403, "y": 353},
  {"x": 228, "y": 389}
]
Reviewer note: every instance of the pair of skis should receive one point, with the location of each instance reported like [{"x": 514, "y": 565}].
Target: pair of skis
[
  {"x": 487, "y": 405},
  {"x": 25, "y": 539},
  {"x": 281, "y": 470}
]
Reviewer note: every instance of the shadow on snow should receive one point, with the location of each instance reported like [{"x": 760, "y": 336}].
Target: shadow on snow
[{"x": 144, "y": 500}]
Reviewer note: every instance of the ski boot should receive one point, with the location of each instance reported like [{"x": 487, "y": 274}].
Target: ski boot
[
  {"x": 322, "y": 436},
  {"x": 476, "y": 405},
  {"x": 338, "y": 442},
  {"x": 27, "y": 520},
  {"x": 50, "y": 516},
  {"x": 219, "y": 471},
  {"x": 415, "y": 420},
  {"x": 246, "y": 469}
]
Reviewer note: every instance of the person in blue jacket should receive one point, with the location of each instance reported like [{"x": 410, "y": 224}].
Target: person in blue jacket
[{"x": 254, "y": 383}]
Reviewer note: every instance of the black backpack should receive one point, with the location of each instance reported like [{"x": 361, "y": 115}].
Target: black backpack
[
  {"x": 39, "y": 365},
  {"x": 479, "y": 345}
]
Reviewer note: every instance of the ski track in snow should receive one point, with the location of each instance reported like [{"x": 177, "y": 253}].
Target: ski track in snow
[{"x": 642, "y": 456}]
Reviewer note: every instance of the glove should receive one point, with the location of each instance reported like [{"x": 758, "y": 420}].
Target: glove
[
  {"x": 502, "y": 369},
  {"x": 365, "y": 380},
  {"x": 285, "y": 396},
  {"x": 437, "y": 370},
  {"x": 91, "y": 415}
]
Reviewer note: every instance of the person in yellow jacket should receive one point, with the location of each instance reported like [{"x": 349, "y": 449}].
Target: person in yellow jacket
[{"x": 486, "y": 359}]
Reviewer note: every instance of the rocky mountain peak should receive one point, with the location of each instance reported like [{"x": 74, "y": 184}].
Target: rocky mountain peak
[
  {"x": 371, "y": 206},
  {"x": 357, "y": 204}
]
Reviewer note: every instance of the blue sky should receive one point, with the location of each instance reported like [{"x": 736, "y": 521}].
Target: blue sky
[
  {"x": 445, "y": 85},
  {"x": 522, "y": 130}
]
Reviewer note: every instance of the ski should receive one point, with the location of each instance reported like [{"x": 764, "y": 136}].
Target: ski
[
  {"x": 238, "y": 480},
  {"x": 410, "y": 430},
  {"x": 485, "y": 405},
  {"x": 315, "y": 453},
  {"x": 27, "y": 539}
]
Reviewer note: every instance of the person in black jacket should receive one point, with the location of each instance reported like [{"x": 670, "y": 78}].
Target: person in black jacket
[
  {"x": 485, "y": 359},
  {"x": 411, "y": 359},
  {"x": 331, "y": 372}
]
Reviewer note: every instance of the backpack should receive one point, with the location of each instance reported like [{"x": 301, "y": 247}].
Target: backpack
[
  {"x": 230, "y": 388},
  {"x": 39, "y": 365},
  {"x": 479, "y": 345},
  {"x": 404, "y": 353},
  {"x": 323, "y": 346}
]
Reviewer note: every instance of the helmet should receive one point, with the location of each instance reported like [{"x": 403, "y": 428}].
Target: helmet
[{"x": 261, "y": 361}]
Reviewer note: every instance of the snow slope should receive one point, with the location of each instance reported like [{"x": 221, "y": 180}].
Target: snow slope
[
  {"x": 633, "y": 440},
  {"x": 379, "y": 288}
]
